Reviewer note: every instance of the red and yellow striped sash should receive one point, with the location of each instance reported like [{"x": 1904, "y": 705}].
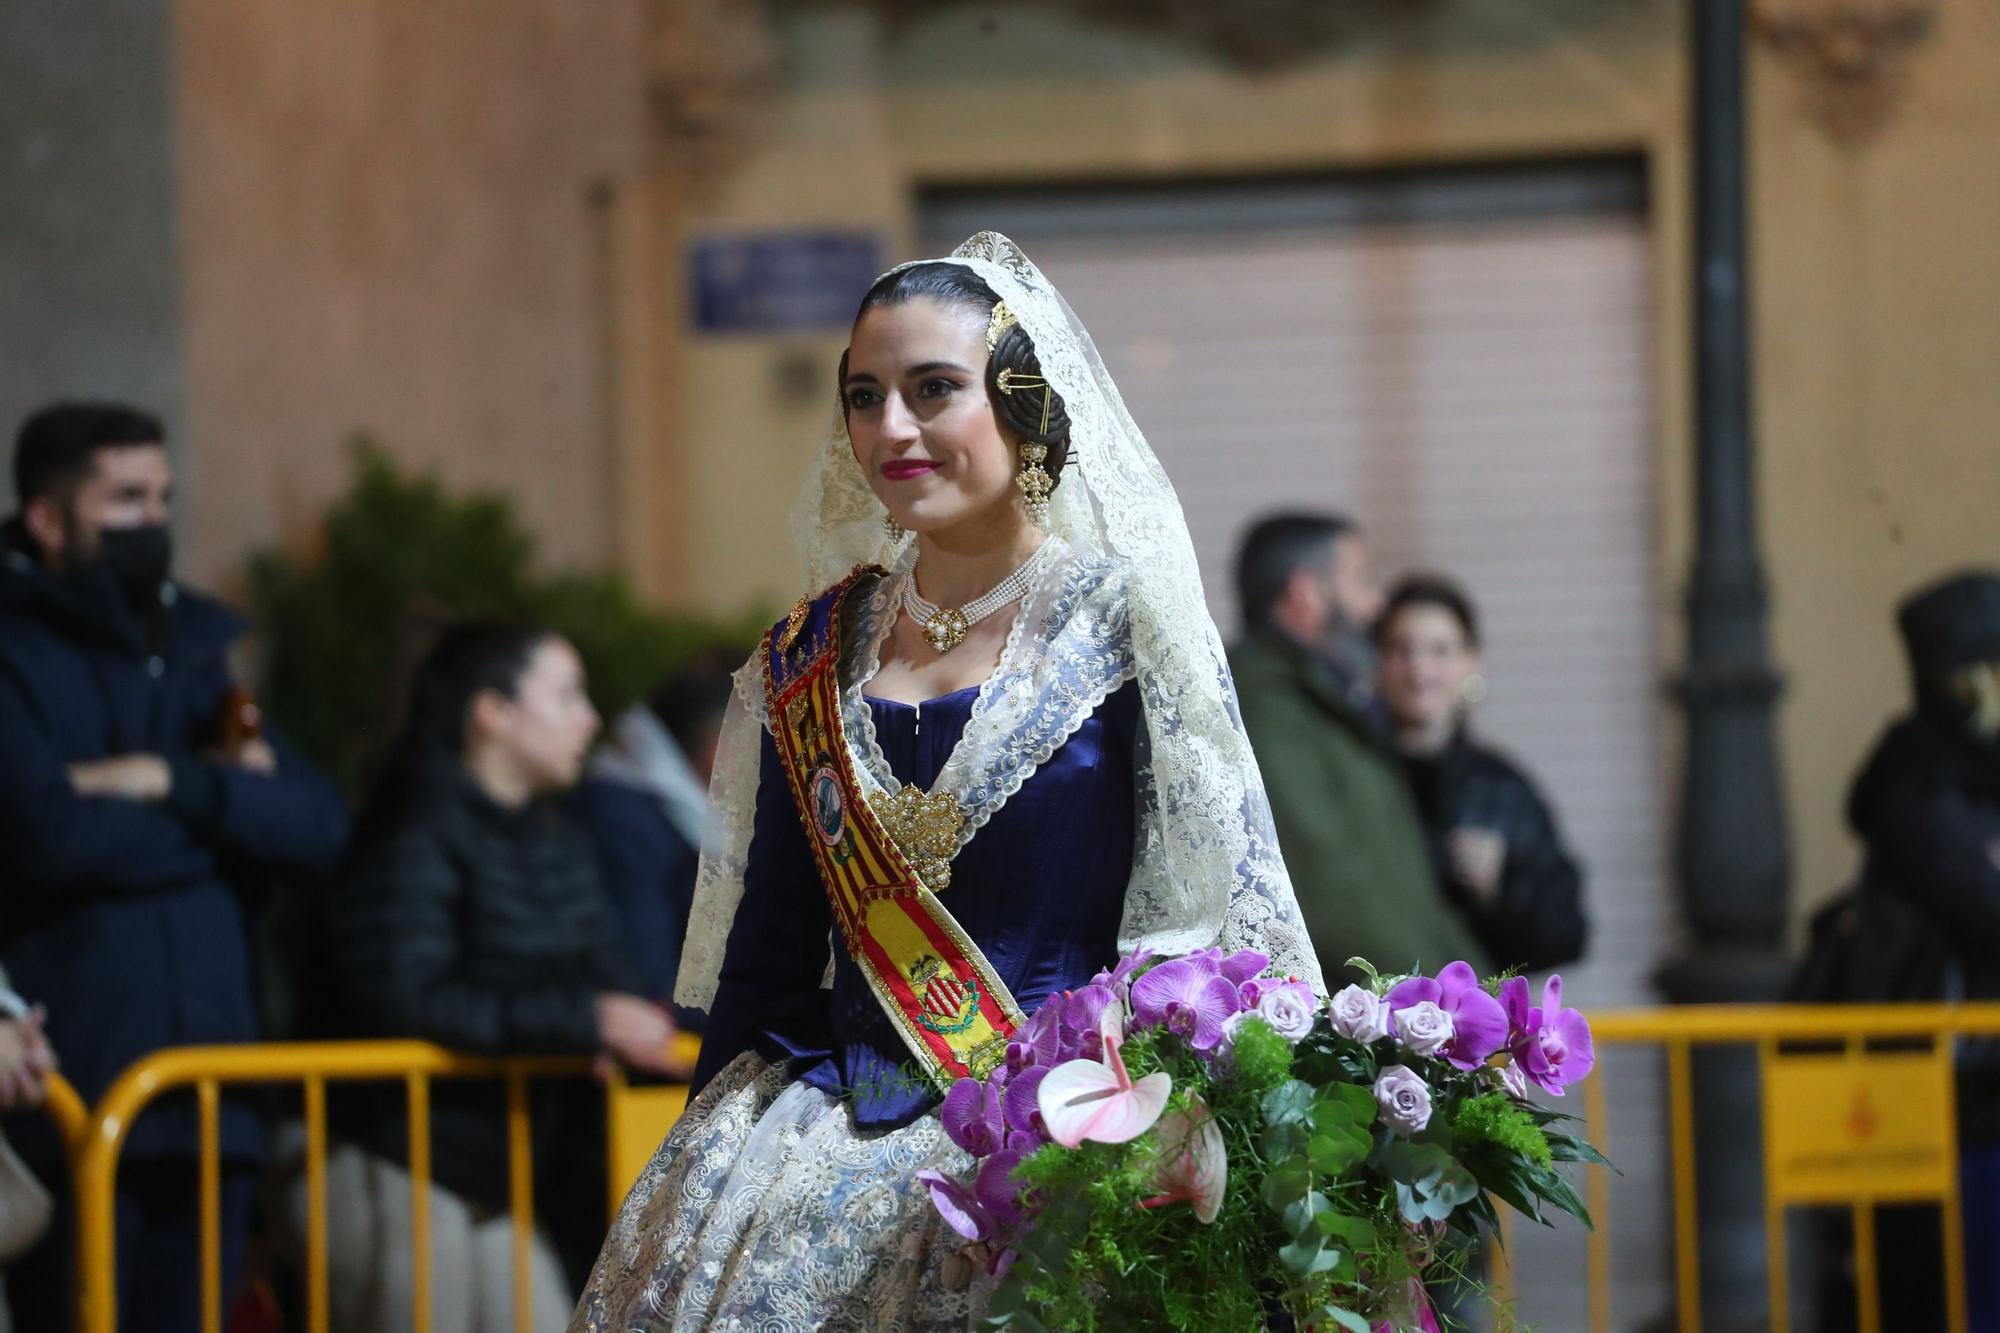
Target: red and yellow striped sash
[{"x": 952, "y": 1009}]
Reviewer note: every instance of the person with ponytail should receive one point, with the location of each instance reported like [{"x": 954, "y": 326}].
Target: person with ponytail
[{"x": 470, "y": 913}]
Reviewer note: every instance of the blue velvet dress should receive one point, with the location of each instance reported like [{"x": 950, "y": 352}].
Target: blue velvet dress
[{"x": 787, "y": 1198}]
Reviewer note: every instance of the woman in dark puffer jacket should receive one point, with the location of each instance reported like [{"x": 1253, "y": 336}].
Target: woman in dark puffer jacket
[
  {"x": 470, "y": 913},
  {"x": 1498, "y": 852}
]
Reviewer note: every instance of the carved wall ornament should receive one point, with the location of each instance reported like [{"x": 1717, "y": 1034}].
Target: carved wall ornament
[
  {"x": 712, "y": 70},
  {"x": 1853, "y": 56}
]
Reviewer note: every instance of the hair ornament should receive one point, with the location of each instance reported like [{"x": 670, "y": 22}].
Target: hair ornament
[{"x": 1001, "y": 320}]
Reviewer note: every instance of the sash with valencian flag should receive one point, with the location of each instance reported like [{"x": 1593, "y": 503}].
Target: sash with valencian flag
[{"x": 952, "y": 1009}]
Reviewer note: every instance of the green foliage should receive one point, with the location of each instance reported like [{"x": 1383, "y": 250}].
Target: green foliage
[
  {"x": 400, "y": 556},
  {"x": 1492, "y": 1117},
  {"x": 1263, "y": 1058}
]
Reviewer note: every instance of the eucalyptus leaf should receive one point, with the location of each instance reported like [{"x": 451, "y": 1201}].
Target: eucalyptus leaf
[
  {"x": 1415, "y": 1163},
  {"x": 1283, "y": 1140},
  {"x": 1347, "y": 1319},
  {"x": 1300, "y": 1258},
  {"x": 1305, "y": 1212},
  {"x": 1351, "y": 1232},
  {"x": 1357, "y": 1102},
  {"x": 1454, "y": 1185},
  {"x": 1285, "y": 1182},
  {"x": 1289, "y": 1103},
  {"x": 1333, "y": 1154}
]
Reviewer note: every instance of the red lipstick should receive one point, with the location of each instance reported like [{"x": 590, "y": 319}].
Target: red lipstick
[{"x": 902, "y": 469}]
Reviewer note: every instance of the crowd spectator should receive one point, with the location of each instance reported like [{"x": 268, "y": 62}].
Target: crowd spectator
[
  {"x": 470, "y": 912},
  {"x": 1494, "y": 842},
  {"x": 645, "y": 801},
  {"x": 127, "y": 818},
  {"x": 1346, "y": 825},
  {"x": 1927, "y": 809}
]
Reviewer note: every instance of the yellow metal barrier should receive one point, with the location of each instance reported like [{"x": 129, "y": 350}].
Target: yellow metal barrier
[
  {"x": 100, "y": 1135},
  {"x": 65, "y": 1109},
  {"x": 1766, "y": 1029}
]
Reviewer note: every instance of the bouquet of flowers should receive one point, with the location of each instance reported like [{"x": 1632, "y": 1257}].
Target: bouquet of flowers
[{"x": 1192, "y": 1144}]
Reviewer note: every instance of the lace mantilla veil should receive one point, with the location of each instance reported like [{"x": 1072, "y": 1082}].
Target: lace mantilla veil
[{"x": 1207, "y": 869}]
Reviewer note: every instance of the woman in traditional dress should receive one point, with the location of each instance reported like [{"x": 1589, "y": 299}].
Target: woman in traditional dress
[{"x": 963, "y": 778}]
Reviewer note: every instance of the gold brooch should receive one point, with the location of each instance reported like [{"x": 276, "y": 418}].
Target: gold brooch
[
  {"x": 924, "y": 825},
  {"x": 946, "y": 629}
]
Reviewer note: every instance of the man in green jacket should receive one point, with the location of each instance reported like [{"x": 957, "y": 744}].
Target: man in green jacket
[{"x": 1347, "y": 825}]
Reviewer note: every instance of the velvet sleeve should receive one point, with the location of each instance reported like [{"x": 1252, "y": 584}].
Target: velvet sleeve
[{"x": 768, "y": 995}]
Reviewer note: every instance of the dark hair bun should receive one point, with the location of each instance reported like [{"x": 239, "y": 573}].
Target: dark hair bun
[{"x": 1027, "y": 402}]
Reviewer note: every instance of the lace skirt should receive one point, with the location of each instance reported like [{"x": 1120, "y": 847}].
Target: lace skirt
[{"x": 767, "y": 1209}]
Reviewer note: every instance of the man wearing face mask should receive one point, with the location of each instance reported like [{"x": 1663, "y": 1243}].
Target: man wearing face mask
[
  {"x": 1347, "y": 825},
  {"x": 123, "y": 809}
]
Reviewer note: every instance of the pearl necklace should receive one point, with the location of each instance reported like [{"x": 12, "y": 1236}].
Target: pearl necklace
[{"x": 945, "y": 627}]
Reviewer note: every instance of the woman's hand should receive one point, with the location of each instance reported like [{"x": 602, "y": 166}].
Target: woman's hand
[
  {"x": 1478, "y": 858},
  {"x": 639, "y": 1035},
  {"x": 26, "y": 1061}
]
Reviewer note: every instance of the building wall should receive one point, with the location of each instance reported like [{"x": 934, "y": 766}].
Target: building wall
[
  {"x": 1877, "y": 277},
  {"x": 392, "y": 223},
  {"x": 1878, "y": 319},
  {"x": 89, "y": 288}
]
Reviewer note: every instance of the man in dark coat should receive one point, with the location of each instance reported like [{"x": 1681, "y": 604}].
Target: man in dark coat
[
  {"x": 123, "y": 818},
  {"x": 1927, "y": 808},
  {"x": 1347, "y": 826}
]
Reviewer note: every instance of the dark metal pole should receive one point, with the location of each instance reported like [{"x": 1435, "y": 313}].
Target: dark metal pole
[
  {"x": 1733, "y": 866},
  {"x": 1732, "y": 863}
]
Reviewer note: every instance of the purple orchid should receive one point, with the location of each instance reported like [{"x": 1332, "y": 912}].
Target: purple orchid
[
  {"x": 1119, "y": 978},
  {"x": 994, "y": 1186},
  {"x": 1243, "y": 965},
  {"x": 1478, "y": 1022},
  {"x": 1551, "y": 1045},
  {"x": 1039, "y": 1040},
  {"x": 1192, "y": 1001},
  {"x": 1021, "y": 1105},
  {"x": 1082, "y": 1019},
  {"x": 958, "y": 1206},
  {"x": 1255, "y": 989},
  {"x": 973, "y": 1118}
]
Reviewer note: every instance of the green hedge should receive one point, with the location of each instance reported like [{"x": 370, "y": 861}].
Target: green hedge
[{"x": 400, "y": 556}]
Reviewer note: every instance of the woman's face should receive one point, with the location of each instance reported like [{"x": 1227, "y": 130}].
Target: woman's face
[
  {"x": 546, "y": 728},
  {"x": 1426, "y": 663},
  {"x": 923, "y": 427}
]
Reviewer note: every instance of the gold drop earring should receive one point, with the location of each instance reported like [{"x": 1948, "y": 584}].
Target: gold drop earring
[{"x": 1034, "y": 480}]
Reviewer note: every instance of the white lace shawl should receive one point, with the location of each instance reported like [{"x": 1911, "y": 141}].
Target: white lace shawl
[{"x": 1123, "y": 602}]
